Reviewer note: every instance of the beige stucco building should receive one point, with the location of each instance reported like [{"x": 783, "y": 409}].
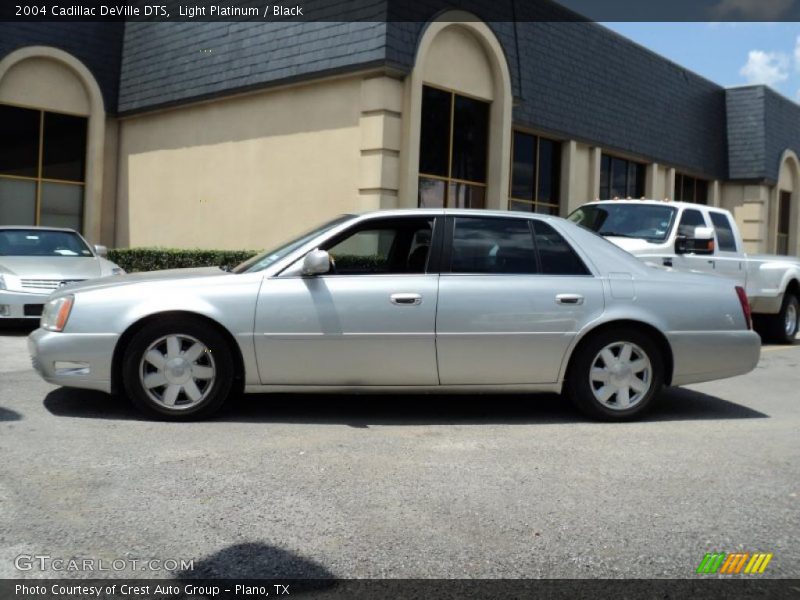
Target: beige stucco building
[{"x": 165, "y": 155}]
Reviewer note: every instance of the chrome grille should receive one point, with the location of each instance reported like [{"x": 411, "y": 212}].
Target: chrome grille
[{"x": 45, "y": 284}]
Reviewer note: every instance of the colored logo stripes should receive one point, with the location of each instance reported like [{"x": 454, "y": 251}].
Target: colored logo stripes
[{"x": 731, "y": 564}]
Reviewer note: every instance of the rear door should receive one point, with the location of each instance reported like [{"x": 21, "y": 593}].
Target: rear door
[
  {"x": 512, "y": 294},
  {"x": 728, "y": 253}
]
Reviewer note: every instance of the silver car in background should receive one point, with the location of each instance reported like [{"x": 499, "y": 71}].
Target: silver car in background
[
  {"x": 409, "y": 300},
  {"x": 34, "y": 261}
]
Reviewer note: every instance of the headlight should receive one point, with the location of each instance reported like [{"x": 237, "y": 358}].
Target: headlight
[
  {"x": 2, "y": 283},
  {"x": 118, "y": 271},
  {"x": 56, "y": 312}
]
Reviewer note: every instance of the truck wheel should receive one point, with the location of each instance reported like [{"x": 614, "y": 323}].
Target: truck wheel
[
  {"x": 782, "y": 328},
  {"x": 615, "y": 375}
]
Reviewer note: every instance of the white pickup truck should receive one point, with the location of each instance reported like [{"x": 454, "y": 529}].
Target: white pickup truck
[{"x": 693, "y": 237}]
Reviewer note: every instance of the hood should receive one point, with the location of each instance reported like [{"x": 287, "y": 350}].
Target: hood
[
  {"x": 632, "y": 245},
  {"x": 147, "y": 276},
  {"x": 51, "y": 267}
]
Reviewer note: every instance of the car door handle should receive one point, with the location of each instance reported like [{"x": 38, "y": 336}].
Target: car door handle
[
  {"x": 569, "y": 299},
  {"x": 406, "y": 299}
]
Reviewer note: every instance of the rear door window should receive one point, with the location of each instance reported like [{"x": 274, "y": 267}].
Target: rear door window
[
  {"x": 726, "y": 240},
  {"x": 492, "y": 246}
]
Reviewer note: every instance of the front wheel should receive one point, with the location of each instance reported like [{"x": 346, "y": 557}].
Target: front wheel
[
  {"x": 615, "y": 375},
  {"x": 178, "y": 370}
]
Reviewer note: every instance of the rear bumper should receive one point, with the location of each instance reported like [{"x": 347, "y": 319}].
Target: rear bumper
[
  {"x": 73, "y": 359},
  {"x": 709, "y": 355},
  {"x": 12, "y": 304}
]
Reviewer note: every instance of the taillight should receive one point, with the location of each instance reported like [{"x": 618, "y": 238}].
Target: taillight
[{"x": 748, "y": 316}]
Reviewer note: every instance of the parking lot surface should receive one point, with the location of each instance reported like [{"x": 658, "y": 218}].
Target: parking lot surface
[{"x": 402, "y": 486}]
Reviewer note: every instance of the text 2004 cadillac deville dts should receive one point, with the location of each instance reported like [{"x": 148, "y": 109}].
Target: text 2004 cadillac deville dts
[{"x": 413, "y": 300}]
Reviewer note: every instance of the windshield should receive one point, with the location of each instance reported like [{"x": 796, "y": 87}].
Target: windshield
[
  {"x": 38, "y": 242},
  {"x": 650, "y": 222},
  {"x": 259, "y": 262}
]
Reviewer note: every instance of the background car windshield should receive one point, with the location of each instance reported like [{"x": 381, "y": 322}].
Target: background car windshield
[
  {"x": 33, "y": 242},
  {"x": 259, "y": 262},
  {"x": 646, "y": 221}
]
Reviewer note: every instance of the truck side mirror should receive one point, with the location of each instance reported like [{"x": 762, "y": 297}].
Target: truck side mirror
[{"x": 703, "y": 240}]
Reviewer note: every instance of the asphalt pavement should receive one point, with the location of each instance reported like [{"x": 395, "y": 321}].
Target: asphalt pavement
[{"x": 401, "y": 486}]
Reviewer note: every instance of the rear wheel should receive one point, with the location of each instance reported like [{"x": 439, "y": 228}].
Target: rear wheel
[
  {"x": 178, "y": 370},
  {"x": 782, "y": 327},
  {"x": 615, "y": 375}
]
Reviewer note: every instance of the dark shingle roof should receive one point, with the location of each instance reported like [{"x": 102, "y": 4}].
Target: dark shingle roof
[{"x": 97, "y": 45}]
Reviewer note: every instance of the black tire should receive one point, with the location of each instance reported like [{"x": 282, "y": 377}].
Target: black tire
[
  {"x": 216, "y": 355},
  {"x": 580, "y": 389},
  {"x": 773, "y": 328}
]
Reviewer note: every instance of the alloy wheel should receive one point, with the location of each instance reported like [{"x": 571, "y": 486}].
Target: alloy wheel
[
  {"x": 177, "y": 371},
  {"x": 621, "y": 375}
]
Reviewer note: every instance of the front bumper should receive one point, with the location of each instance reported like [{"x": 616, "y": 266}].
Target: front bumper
[
  {"x": 81, "y": 360},
  {"x": 710, "y": 355},
  {"x": 13, "y": 305}
]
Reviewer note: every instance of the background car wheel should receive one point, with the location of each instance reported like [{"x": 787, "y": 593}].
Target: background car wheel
[
  {"x": 781, "y": 328},
  {"x": 615, "y": 375},
  {"x": 178, "y": 370}
]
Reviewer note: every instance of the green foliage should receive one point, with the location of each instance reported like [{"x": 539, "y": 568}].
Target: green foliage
[{"x": 157, "y": 259}]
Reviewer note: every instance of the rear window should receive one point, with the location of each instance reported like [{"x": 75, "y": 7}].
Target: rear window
[
  {"x": 557, "y": 256},
  {"x": 726, "y": 240}
]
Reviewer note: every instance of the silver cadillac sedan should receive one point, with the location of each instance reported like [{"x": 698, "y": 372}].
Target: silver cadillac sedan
[
  {"x": 34, "y": 261},
  {"x": 411, "y": 300}
]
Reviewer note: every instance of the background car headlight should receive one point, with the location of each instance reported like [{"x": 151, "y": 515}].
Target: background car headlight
[
  {"x": 2, "y": 283},
  {"x": 56, "y": 312},
  {"x": 118, "y": 271}
]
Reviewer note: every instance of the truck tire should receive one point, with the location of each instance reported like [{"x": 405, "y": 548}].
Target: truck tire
[{"x": 782, "y": 327}]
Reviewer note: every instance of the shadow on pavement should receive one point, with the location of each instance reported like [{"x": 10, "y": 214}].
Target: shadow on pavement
[
  {"x": 6, "y": 414},
  {"x": 89, "y": 404},
  {"x": 255, "y": 561},
  {"x": 361, "y": 411},
  {"x": 253, "y": 564}
]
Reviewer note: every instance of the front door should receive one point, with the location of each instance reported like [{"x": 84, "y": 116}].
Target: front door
[
  {"x": 370, "y": 321},
  {"x": 509, "y": 307}
]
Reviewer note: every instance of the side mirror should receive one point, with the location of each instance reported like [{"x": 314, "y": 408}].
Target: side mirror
[
  {"x": 680, "y": 244},
  {"x": 702, "y": 242},
  {"x": 316, "y": 262},
  {"x": 100, "y": 250}
]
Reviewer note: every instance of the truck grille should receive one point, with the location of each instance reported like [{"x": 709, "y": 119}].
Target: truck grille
[{"x": 45, "y": 284}]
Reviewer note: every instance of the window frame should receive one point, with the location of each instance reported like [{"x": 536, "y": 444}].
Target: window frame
[
  {"x": 446, "y": 252},
  {"x": 784, "y": 217},
  {"x": 535, "y": 202},
  {"x": 39, "y": 180},
  {"x": 434, "y": 253},
  {"x": 609, "y": 184},
  {"x": 680, "y": 179},
  {"x": 449, "y": 179}
]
